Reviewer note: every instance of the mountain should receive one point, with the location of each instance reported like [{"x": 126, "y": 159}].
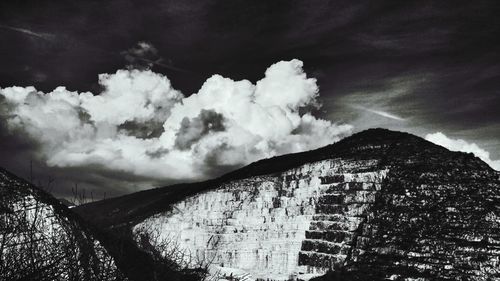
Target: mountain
[
  {"x": 376, "y": 205},
  {"x": 40, "y": 239}
]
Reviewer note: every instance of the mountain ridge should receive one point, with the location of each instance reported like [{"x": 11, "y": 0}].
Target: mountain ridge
[{"x": 271, "y": 165}]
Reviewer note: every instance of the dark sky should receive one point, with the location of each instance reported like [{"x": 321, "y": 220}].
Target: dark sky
[{"x": 435, "y": 65}]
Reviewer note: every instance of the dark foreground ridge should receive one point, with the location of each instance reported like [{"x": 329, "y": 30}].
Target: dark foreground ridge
[
  {"x": 41, "y": 239},
  {"x": 435, "y": 214}
]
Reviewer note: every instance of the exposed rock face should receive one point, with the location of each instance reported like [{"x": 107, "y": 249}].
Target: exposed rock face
[
  {"x": 297, "y": 222},
  {"x": 41, "y": 240},
  {"x": 377, "y": 205},
  {"x": 438, "y": 220}
]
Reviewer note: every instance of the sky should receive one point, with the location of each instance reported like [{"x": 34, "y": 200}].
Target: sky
[{"x": 119, "y": 96}]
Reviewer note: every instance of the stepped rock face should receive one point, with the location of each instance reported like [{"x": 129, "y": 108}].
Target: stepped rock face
[
  {"x": 41, "y": 240},
  {"x": 376, "y": 205},
  {"x": 297, "y": 222}
]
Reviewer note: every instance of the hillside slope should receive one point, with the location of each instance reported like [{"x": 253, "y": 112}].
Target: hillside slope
[
  {"x": 40, "y": 239},
  {"x": 379, "y": 204}
]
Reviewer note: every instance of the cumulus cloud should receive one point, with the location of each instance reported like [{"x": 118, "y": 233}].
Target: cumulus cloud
[
  {"x": 464, "y": 146},
  {"x": 141, "y": 125}
]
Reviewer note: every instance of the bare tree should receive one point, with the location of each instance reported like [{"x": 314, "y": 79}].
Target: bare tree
[
  {"x": 167, "y": 251},
  {"x": 38, "y": 244},
  {"x": 79, "y": 195}
]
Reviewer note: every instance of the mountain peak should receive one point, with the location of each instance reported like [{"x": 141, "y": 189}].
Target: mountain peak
[
  {"x": 379, "y": 204},
  {"x": 391, "y": 147}
]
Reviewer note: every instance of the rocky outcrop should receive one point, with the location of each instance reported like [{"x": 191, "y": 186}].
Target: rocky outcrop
[
  {"x": 297, "y": 223},
  {"x": 377, "y": 205},
  {"x": 433, "y": 221}
]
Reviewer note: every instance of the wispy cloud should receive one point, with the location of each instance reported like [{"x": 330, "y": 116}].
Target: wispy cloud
[
  {"x": 144, "y": 56},
  {"x": 379, "y": 112},
  {"x": 45, "y": 36},
  {"x": 164, "y": 65}
]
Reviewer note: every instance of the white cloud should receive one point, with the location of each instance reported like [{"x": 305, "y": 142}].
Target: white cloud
[
  {"x": 139, "y": 124},
  {"x": 464, "y": 146},
  {"x": 131, "y": 95}
]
